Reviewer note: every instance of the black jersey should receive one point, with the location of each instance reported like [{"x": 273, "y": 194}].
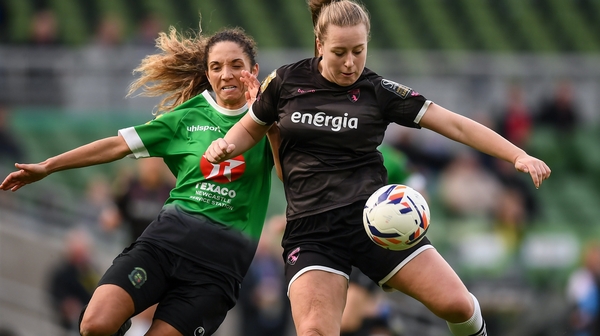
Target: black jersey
[{"x": 330, "y": 133}]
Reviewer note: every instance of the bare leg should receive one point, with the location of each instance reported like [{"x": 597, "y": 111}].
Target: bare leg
[
  {"x": 109, "y": 307},
  {"x": 429, "y": 279},
  {"x": 318, "y": 299}
]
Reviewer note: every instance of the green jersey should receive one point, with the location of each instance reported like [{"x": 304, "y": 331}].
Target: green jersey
[
  {"x": 395, "y": 164},
  {"x": 235, "y": 192}
]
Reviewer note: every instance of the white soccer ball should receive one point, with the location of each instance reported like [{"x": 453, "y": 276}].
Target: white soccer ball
[{"x": 396, "y": 217}]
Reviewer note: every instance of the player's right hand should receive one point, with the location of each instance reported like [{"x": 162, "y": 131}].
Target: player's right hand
[
  {"x": 218, "y": 151},
  {"x": 27, "y": 173},
  {"x": 252, "y": 85}
]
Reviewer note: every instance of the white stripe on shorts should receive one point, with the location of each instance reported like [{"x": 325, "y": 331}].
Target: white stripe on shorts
[
  {"x": 317, "y": 268},
  {"x": 400, "y": 265}
]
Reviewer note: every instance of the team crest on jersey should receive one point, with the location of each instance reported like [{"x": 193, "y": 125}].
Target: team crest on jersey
[
  {"x": 223, "y": 172},
  {"x": 401, "y": 90},
  {"x": 268, "y": 80},
  {"x": 353, "y": 95}
]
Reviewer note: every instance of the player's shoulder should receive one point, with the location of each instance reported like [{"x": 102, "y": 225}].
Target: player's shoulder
[
  {"x": 388, "y": 87},
  {"x": 287, "y": 74},
  {"x": 178, "y": 113},
  {"x": 299, "y": 68}
]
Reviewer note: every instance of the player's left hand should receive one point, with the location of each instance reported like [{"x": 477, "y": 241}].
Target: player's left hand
[
  {"x": 252, "y": 84},
  {"x": 218, "y": 151},
  {"x": 537, "y": 168}
]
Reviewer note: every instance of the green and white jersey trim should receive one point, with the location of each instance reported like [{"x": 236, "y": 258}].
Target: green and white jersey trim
[
  {"x": 209, "y": 98},
  {"x": 134, "y": 142}
]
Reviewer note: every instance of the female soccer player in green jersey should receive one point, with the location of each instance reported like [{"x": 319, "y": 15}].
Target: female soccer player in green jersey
[{"x": 192, "y": 258}]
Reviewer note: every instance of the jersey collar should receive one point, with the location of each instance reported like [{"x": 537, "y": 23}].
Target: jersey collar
[{"x": 209, "y": 98}]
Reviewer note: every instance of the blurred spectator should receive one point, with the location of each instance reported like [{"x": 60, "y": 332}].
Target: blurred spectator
[
  {"x": 510, "y": 218},
  {"x": 11, "y": 150},
  {"x": 516, "y": 206},
  {"x": 515, "y": 119},
  {"x": 142, "y": 195},
  {"x": 41, "y": 84},
  {"x": 110, "y": 31},
  {"x": 265, "y": 307},
  {"x": 147, "y": 31},
  {"x": 560, "y": 111},
  {"x": 428, "y": 155},
  {"x": 583, "y": 294},
  {"x": 467, "y": 189},
  {"x": 44, "y": 28},
  {"x": 100, "y": 214},
  {"x": 105, "y": 61},
  {"x": 513, "y": 180},
  {"x": 73, "y": 280}
]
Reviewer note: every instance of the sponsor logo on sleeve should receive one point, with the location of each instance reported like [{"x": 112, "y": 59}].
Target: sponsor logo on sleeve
[{"x": 401, "y": 90}]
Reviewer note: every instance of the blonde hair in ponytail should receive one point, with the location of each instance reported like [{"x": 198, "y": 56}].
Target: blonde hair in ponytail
[{"x": 341, "y": 13}]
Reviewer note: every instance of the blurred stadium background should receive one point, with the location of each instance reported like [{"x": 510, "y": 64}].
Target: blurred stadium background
[{"x": 65, "y": 66}]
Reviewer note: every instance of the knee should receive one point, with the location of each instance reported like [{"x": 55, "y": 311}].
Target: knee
[
  {"x": 92, "y": 327},
  {"x": 315, "y": 331},
  {"x": 455, "y": 308},
  {"x": 317, "y": 326}
]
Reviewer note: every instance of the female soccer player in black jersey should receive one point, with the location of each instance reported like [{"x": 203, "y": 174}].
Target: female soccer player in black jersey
[{"x": 332, "y": 113}]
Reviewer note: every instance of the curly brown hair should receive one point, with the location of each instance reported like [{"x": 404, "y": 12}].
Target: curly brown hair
[{"x": 178, "y": 71}]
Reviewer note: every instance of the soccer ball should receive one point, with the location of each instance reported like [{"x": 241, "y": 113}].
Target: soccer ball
[{"x": 396, "y": 217}]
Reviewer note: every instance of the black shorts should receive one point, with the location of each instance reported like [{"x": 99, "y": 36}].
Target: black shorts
[
  {"x": 187, "y": 294},
  {"x": 334, "y": 241},
  {"x": 360, "y": 279}
]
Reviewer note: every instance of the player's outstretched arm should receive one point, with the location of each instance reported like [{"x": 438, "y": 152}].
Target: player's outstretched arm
[
  {"x": 241, "y": 137},
  {"x": 482, "y": 138},
  {"x": 97, "y": 152}
]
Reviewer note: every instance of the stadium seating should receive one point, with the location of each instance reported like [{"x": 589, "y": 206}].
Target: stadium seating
[{"x": 504, "y": 25}]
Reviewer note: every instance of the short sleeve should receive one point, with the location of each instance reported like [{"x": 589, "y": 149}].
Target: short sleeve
[
  {"x": 401, "y": 104},
  {"x": 264, "y": 109},
  {"x": 152, "y": 138}
]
